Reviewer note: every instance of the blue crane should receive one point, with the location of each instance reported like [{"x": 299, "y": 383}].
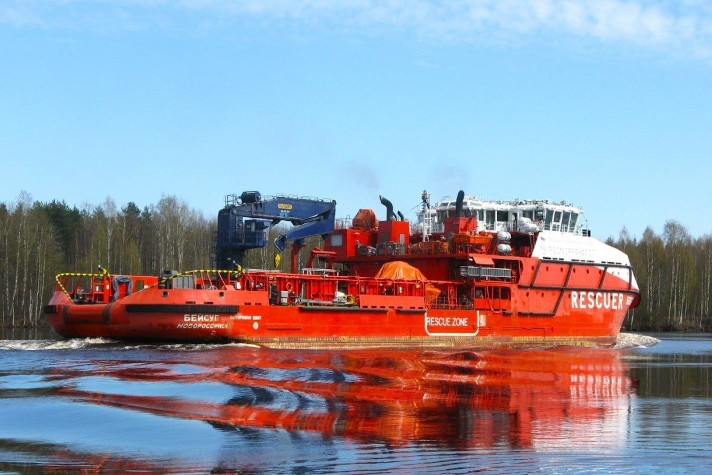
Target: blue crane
[{"x": 245, "y": 221}]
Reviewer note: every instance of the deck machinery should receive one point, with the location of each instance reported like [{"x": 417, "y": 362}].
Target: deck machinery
[{"x": 245, "y": 221}]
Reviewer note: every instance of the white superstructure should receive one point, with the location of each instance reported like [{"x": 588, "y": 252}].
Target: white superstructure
[{"x": 521, "y": 216}]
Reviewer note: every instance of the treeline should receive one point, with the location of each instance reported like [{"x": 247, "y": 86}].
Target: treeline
[
  {"x": 39, "y": 240},
  {"x": 674, "y": 273}
]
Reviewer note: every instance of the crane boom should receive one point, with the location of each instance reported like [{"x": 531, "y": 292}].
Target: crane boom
[{"x": 245, "y": 221}]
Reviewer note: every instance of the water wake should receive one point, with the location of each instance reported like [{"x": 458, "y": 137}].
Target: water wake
[
  {"x": 38, "y": 345},
  {"x": 83, "y": 343},
  {"x": 628, "y": 341}
]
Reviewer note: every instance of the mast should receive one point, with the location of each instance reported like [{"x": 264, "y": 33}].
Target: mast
[{"x": 427, "y": 216}]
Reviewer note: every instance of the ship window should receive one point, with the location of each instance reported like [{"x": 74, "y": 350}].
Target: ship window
[
  {"x": 337, "y": 240},
  {"x": 502, "y": 216},
  {"x": 549, "y": 218},
  {"x": 574, "y": 218},
  {"x": 489, "y": 218},
  {"x": 565, "y": 222},
  {"x": 450, "y": 209}
]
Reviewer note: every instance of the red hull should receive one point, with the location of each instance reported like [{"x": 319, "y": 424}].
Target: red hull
[
  {"x": 322, "y": 328},
  {"x": 376, "y": 285},
  {"x": 540, "y": 309}
]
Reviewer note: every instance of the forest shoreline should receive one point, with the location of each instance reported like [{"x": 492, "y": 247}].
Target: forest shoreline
[{"x": 40, "y": 240}]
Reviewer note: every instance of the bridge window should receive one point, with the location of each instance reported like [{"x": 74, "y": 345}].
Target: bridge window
[
  {"x": 565, "y": 222},
  {"x": 549, "y": 218},
  {"x": 489, "y": 218},
  {"x": 572, "y": 223}
]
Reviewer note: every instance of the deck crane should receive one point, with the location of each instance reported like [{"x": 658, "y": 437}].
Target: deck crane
[{"x": 245, "y": 221}]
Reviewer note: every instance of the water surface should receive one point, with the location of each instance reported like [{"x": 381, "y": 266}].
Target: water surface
[{"x": 102, "y": 406}]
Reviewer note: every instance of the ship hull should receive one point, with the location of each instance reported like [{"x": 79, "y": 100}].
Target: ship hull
[
  {"x": 191, "y": 315},
  {"x": 373, "y": 288}
]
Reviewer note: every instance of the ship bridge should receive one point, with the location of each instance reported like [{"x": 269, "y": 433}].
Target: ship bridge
[{"x": 526, "y": 216}]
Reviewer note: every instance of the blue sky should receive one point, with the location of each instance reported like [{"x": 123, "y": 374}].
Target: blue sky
[{"x": 606, "y": 104}]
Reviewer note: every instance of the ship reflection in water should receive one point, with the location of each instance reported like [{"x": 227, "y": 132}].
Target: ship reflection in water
[{"x": 226, "y": 408}]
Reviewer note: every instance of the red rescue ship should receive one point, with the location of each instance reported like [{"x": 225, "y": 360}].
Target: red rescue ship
[{"x": 467, "y": 273}]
